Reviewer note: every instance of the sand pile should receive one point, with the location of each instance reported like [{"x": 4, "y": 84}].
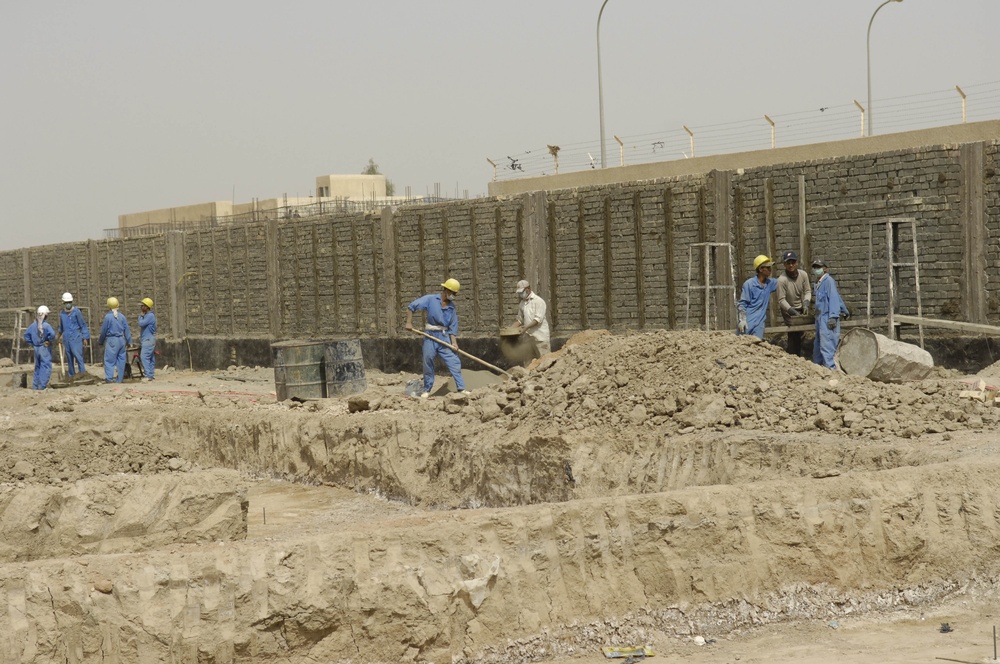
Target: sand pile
[{"x": 681, "y": 382}]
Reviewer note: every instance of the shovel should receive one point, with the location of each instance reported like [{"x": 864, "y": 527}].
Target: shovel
[
  {"x": 62, "y": 362},
  {"x": 462, "y": 352}
]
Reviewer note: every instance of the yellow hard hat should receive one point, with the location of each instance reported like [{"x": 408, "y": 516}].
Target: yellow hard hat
[
  {"x": 112, "y": 303},
  {"x": 147, "y": 301},
  {"x": 452, "y": 285},
  {"x": 762, "y": 261}
]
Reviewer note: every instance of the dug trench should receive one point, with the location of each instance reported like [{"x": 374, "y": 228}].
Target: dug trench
[{"x": 629, "y": 488}]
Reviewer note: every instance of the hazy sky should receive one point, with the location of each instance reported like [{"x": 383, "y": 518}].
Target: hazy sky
[{"x": 113, "y": 107}]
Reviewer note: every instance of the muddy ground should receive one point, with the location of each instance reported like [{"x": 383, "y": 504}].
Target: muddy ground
[{"x": 709, "y": 496}]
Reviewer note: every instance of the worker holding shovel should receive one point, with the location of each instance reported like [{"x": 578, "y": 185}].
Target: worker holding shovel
[{"x": 441, "y": 336}]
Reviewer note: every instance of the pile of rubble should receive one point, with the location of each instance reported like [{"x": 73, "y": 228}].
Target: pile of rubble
[{"x": 680, "y": 382}]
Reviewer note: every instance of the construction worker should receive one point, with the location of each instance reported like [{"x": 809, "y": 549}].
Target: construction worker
[
  {"x": 116, "y": 337},
  {"x": 794, "y": 296},
  {"x": 752, "y": 306},
  {"x": 830, "y": 308},
  {"x": 531, "y": 319},
  {"x": 74, "y": 334},
  {"x": 442, "y": 324},
  {"x": 41, "y": 335},
  {"x": 147, "y": 337}
]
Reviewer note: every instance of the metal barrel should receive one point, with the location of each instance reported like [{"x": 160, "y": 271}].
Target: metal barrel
[
  {"x": 345, "y": 368},
  {"x": 299, "y": 369}
]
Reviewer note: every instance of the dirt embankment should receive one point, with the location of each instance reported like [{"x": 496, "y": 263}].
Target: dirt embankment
[{"x": 669, "y": 484}]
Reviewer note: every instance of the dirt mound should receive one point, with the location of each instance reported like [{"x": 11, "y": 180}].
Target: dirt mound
[{"x": 680, "y": 382}]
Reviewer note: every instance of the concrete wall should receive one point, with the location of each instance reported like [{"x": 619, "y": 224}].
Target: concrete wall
[
  {"x": 180, "y": 214},
  {"x": 949, "y": 135},
  {"x": 616, "y": 256},
  {"x": 356, "y": 187}
]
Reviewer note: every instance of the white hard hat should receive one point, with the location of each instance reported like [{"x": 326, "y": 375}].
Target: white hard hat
[
  {"x": 67, "y": 297},
  {"x": 43, "y": 310}
]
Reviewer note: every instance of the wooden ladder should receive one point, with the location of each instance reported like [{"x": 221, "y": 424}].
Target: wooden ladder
[
  {"x": 710, "y": 259},
  {"x": 893, "y": 264},
  {"x": 21, "y": 323}
]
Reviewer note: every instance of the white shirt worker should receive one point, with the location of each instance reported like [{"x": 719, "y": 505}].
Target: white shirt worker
[{"x": 531, "y": 316}]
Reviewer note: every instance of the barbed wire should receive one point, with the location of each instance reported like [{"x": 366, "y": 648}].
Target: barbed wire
[{"x": 828, "y": 123}]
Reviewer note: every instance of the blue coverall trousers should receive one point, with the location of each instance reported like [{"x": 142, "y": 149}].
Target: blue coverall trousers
[
  {"x": 114, "y": 358},
  {"x": 74, "y": 355},
  {"x": 450, "y": 358},
  {"x": 43, "y": 368}
]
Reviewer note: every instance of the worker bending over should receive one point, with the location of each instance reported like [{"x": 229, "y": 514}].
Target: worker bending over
[
  {"x": 41, "y": 335},
  {"x": 531, "y": 319},
  {"x": 442, "y": 324},
  {"x": 74, "y": 333},
  {"x": 794, "y": 296},
  {"x": 116, "y": 337},
  {"x": 147, "y": 337}
]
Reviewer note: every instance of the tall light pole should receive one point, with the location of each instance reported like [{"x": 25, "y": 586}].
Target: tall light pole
[
  {"x": 870, "y": 113},
  {"x": 600, "y": 86}
]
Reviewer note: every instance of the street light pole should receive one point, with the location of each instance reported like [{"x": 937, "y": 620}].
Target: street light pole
[
  {"x": 600, "y": 86},
  {"x": 870, "y": 113}
]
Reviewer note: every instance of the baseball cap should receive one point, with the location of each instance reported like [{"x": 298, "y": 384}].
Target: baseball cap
[
  {"x": 819, "y": 262},
  {"x": 789, "y": 256},
  {"x": 521, "y": 285}
]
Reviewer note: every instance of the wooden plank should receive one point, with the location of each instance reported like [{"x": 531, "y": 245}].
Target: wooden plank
[
  {"x": 582, "y": 262},
  {"x": 779, "y": 329},
  {"x": 668, "y": 248},
  {"x": 314, "y": 252},
  {"x": 420, "y": 254},
  {"x": 498, "y": 237},
  {"x": 474, "y": 258},
  {"x": 608, "y": 263},
  {"x": 335, "y": 265},
  {"x": 640, "y": 274},
  {"x": 553, "y": 308},
  {"x": 956, "y": 325},
  {"x": 803, "y": 231},
  {"x": 519, "y": 225},
  {"x": 357, "y": 274}
]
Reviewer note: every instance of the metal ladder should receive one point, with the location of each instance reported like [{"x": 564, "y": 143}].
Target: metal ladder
[
  {"x": 710, "y": 259},
  {"x": 892, "y": 269}
]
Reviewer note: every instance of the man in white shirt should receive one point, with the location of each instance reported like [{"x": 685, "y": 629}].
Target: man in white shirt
[{"x": 531, "y": 319}]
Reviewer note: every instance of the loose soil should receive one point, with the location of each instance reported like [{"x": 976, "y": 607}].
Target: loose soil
[{"x": 703, "y": 493}]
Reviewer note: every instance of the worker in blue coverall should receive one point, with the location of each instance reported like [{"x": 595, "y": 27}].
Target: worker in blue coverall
[
  {"x": 147, "y": 337},
  {"x": 116, "y": 337},
  {"x": 756, "y": 295},
  {"x": 41, "y": 335},
  {"x": 74, "y": 333},
  {"x": 830, "y": 308},
  {"x": 442, "y": 323}
]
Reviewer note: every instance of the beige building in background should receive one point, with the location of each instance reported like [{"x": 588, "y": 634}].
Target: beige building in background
[{"x": 329, "y": 189}]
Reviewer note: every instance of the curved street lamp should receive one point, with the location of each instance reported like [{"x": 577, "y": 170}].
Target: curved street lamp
[
  {"x": 600, "y": 86},
  {"x": 870, "y": 113}
]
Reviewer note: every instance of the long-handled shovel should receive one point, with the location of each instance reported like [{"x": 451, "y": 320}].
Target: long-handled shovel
[
  {"x": 462, "y": 352},
  {"x": 62, "y": 363}
]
